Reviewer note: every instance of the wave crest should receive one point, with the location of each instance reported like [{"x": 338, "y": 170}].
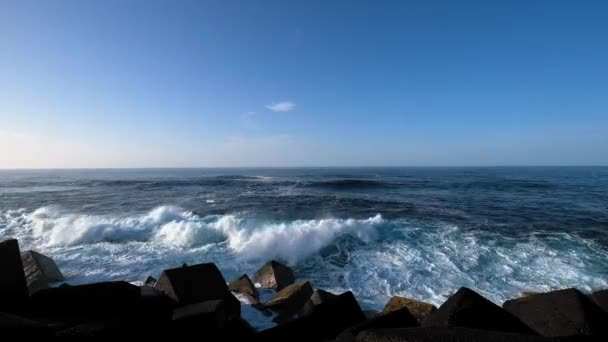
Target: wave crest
[{"x": 174, "y": 227}]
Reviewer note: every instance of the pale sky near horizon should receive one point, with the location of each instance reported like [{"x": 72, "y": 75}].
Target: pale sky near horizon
[{"x": 302, "y": 83}]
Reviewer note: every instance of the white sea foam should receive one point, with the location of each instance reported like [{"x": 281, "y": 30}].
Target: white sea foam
[
  {"x": 424, "y": 260},
  {"x": 174, "y": 227}
]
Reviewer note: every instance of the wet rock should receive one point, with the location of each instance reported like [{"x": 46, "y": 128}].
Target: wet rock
[
  {"x": 324, "y": 323},
  {"x": 468, "y": 309},
  {"x": 318, "y": 297},
  {"x": 274, "y": 275},
  {"x": 289, "y": 300},
  {"x": 560, "y": 313},
  {"x": 443, "y": 334},
  {"x": 601, "y": 299},
  {"x": 418, "y": 309},
  {"x": 245, "y": 286},
  {"x": 40, "y": 271},
  {"x": 150, "y": 281},
  {"x": 13, "y": 286},
  {"x": 399, "y": 318}
]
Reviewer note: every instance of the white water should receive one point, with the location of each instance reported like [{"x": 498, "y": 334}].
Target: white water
[{"x": 373, "y": 257}]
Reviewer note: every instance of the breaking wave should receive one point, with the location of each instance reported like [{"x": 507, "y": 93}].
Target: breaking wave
[{"x": 374, "y": 257}]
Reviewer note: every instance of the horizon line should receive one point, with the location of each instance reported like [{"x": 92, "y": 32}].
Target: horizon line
[{"x": 291, "y": 167}]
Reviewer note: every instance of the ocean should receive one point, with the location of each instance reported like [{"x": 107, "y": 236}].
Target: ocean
[{"x": 379, "y": 232}]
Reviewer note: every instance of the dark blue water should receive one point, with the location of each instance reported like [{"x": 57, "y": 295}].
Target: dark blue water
[{"x": 421, "y": 232}]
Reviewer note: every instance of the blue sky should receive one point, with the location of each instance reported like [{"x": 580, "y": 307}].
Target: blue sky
[{"x": 303, "y": 83}]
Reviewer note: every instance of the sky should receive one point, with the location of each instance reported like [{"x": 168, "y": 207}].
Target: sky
[{"x": 302, "y": 83}]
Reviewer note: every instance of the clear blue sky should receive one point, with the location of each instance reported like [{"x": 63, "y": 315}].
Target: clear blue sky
[{"x": 303, "y": 83}]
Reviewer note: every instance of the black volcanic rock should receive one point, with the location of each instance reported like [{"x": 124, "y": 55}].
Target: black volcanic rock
[
  {"x": 468, "y": 309},
  {"x": 326, "y": 321},
  {"x": 560, "y": 313},
  {"x": 289, "y": 300},
  {"x": 245, "y": 286},
  {"x": 443, "y": 334},
  {"x": 399, "y": 318},
  {"x": 274, "y": 275},
  {"x": 13, "y": 286},
  {"x": 40, "y": 271},
  {"x": 418, "y": 309}
]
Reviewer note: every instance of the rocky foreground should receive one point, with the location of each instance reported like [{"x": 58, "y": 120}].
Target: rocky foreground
[{"x": 195, "y": 302}]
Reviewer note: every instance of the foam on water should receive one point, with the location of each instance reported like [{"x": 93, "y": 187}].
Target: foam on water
[{"x": 374, "y": 257}]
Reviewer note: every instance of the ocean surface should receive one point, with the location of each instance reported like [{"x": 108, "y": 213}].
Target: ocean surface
[{"x": 417, "y": 232}]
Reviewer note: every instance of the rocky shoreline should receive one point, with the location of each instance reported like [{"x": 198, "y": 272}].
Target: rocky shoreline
[{"x": 195, "y": 301}]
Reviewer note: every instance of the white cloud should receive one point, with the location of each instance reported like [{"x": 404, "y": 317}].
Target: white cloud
[{"x": 283, "y": 106}]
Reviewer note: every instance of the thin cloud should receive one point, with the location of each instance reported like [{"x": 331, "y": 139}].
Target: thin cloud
[{"x": 283, "y": 106}]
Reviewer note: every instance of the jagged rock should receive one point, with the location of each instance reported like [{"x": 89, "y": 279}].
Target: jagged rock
[
  {"x": 560, "y": 313},
  {"x": 40, "y": 271},
  {"x": 468, "y": 309},
  {"x": 399, "y": 318},
  {"x": 274, "y": 275},
  {"x": 91, "y": 300},
  {"x": 289, "y": 300},
  {"x": 443, "y": 334},
  {"x": 418, "y": 309},
  {"x": 244, "y": 286},
  {"x": 13, "y": 286},
  {"x": 318, "y": 297},
  {"x": 601, "y": 299},
  {"x": 150, "y": 281},
  {"x": 324, "y": 323}
]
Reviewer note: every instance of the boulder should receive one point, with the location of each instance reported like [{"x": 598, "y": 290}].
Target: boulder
[
  {"x": 150, "y": 281},
  {"x": 418, "y": 309},
  {"x": 13, "y": 286},
  {"x": 289, "y": 300},
  {"x": 601, "y": 299},
  {"x": 274, "y": 275},
  {"x": 89, "y": 301},
  {"x": 193, "y": 284},
  {"x": 40, "y": 271},
  {"x": 443, "y": 334},
  {"x": 560, "y": 313},
  {"x": 399, "y": 318},
  {"x": 318, "y": 297},
  {"x": 243, "y": 285},
  {"x": 211, "y": 314},
  {"x": 324, "y": 323},
  {"x": 468, "y": 309}
]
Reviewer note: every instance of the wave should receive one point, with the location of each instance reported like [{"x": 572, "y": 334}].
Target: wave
[
  {"x": 172, "y": 226},
  {"x": 375, "y": 257},
  {"x": 348, "y": 184}
]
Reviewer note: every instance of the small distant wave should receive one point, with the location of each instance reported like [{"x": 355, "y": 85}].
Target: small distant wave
[{"x": 348, "y": 184}]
